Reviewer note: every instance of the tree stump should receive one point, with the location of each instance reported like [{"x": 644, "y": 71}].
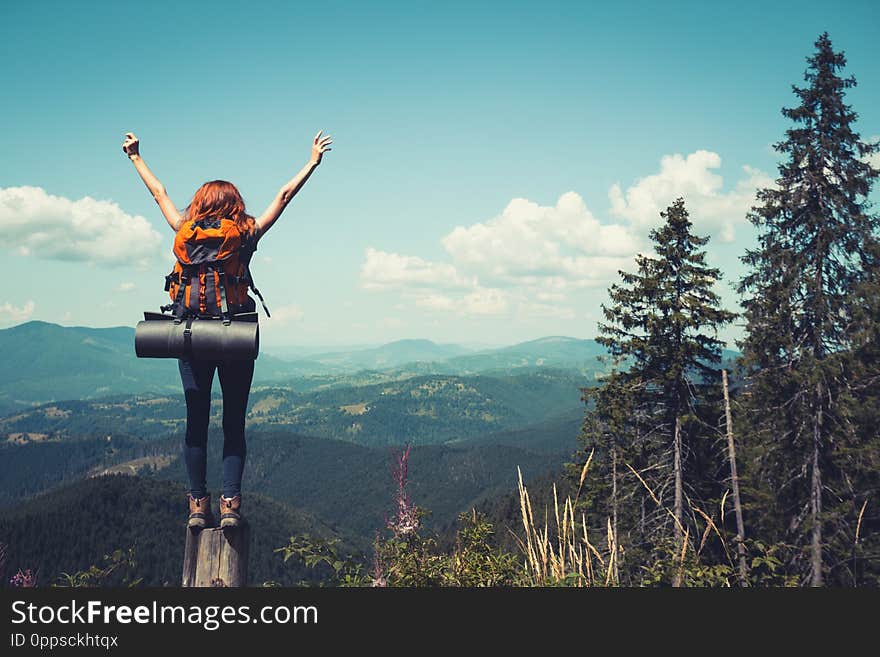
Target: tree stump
[{"x": 216, "y": 557}]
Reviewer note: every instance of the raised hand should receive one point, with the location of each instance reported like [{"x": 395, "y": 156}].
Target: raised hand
[
  {"x": 319, "y": 146},
  {"x": 131, "y": 144}
]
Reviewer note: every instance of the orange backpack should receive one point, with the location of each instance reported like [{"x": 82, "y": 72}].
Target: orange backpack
[{"x": 212, "y": 270}]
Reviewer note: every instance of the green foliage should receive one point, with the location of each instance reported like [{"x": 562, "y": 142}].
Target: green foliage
[
  {"x": 312, "y": 551},
  {"x": 668, "y": 565},
  {"x": 811, "y": 300},
  {"x": 476, "y": 560},
  {"x": 408, "y": 559},
  {"x": 767, "y": 565},
  {"x": 119, "y": 568},
  {"x": 412, "y": 560}
]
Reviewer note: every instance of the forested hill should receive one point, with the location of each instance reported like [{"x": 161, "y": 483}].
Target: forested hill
[
  {"x": 72, "y": 528},
  {"x": 45, "y": 362},
  {"x": 346, "y": 485},
  {"x": 418, "y": 410}
]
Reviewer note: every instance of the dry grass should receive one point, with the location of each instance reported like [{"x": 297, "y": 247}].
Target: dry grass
[
  {"x": 859, "y": 522},
  {"x": 563, "y": 554}
]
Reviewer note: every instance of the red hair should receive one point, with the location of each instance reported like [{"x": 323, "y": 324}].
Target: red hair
[{"x": 221, "y": 199}]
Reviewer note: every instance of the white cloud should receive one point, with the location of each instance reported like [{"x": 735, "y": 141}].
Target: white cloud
[
  {"x": 544, "y": 250},
  {"x": 283, "y": 315},
  {"x": 484, "y": 301},
  {"x": 497, "y": 302},
  {"x": 88, "y": 230},
  {"x": 480, "y": 301},
  {"x": 526, "y": 261},
  {"x": 531, "y": 244},
  {"x": 127, "y": 286},
  {"x": 10, "y": 314},
  {"x": 711, "y": 209},
  {"x": 382, "y": 270}
]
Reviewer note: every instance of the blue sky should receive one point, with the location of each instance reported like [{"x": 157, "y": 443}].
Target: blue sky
[{"x": 493, "y": 164}]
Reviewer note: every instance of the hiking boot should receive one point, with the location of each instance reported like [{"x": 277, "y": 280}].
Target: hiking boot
[
  {"x": 199, "y": 512},
  {"x": 230, "y": 511}
]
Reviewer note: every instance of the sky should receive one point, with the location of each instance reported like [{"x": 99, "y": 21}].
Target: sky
[{"x": 494, "y": 163}]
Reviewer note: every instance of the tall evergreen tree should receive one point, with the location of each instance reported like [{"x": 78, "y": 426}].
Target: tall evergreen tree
[
  {"x": 815, "y": 241},
  {"x": 608, "y": 494},
  {"x": 659, "y": 409}
]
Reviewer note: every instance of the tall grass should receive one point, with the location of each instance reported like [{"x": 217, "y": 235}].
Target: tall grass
[
  {"x": 559, "y": 552},
  {"x": 563, "y": 555}
]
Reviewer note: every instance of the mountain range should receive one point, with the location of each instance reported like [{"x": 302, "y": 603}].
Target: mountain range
[{"x": 46, "y": 362}]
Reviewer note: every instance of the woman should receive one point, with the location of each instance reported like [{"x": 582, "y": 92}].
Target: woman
[{"x": 219, "y": 199}]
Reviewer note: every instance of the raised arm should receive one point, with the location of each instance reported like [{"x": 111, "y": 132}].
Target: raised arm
[
  {"x": 131, "y": 146},
  {"x": 319, "y": 146}
]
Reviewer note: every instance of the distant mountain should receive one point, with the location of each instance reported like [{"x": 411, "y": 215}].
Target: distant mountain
[
  {"x": 45, "y": 362},
  {"x": 549, "y": 352},
  {"x": 73, "y": 527},
  {"x": 386, "y": 356},
  {"x": 299, "y": 352},
  {"x": 417, "y": 410},
  {"x": 408, "y": 357}
]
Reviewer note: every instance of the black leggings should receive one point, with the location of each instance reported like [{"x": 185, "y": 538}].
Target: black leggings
[{"x": 235, "y": 381}]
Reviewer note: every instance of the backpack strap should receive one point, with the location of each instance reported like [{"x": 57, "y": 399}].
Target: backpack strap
[
  {"x": 194, "y": 306},
  {"x": 248, "y": 280},
  {"x": 224, "y": 308},
  {"x": 184, "y": 280},
  {"x": 251, "y": 248}
]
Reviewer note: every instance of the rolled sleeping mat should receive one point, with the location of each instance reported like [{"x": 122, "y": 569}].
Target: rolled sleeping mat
[{"x": 159, "y": 336}]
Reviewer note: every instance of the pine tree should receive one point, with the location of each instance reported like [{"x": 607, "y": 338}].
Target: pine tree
[
  {"x": 661, "y": 329},
  {"x": 606, "y": 491},
  {"x": 815, "y": 242}
]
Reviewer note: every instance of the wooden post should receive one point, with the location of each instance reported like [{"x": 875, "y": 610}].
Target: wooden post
[{"x": 216, "y": 557}]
